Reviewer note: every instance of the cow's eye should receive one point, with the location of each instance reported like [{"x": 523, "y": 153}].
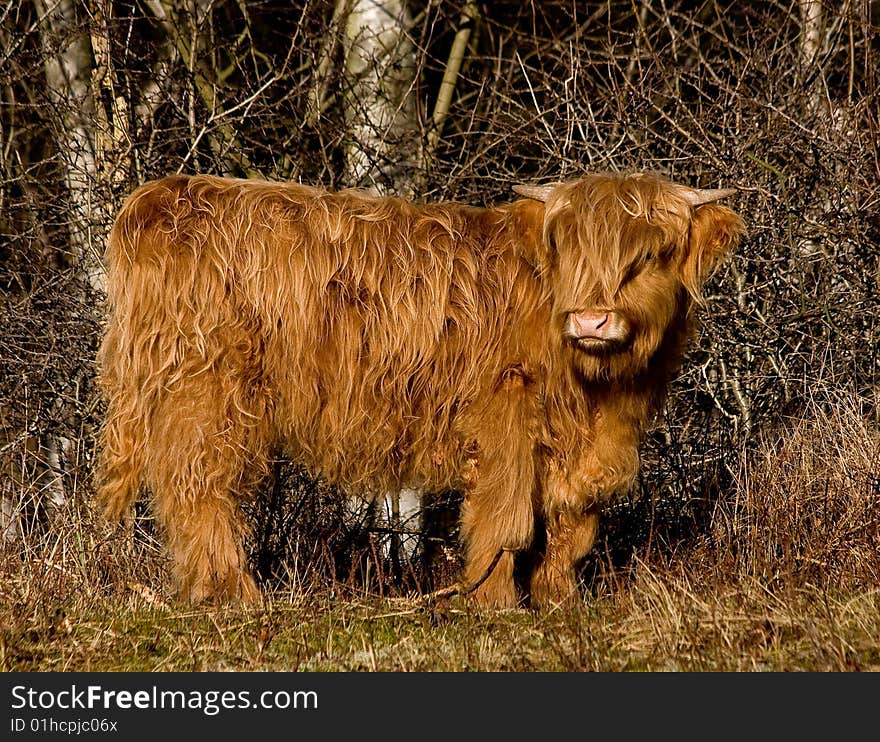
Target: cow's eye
[
  {"x": 645, "y": 261},
  {"x": 633, "y": 271}
]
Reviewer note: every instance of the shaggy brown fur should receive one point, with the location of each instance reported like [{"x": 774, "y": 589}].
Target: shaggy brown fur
[{"x": 514, "y": 352}]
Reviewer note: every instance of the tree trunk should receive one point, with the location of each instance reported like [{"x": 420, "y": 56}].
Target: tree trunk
[
  {"x": 68, "y": 64},
  {"x": 811, "y": 41},
  {"x": 380, "y": 112}
]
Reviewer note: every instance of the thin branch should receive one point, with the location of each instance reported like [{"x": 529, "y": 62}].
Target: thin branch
[
  {"x": 225, "y": 144},
  {"x": 461, "y": 589},
  {"x": 450, "y": 77}
]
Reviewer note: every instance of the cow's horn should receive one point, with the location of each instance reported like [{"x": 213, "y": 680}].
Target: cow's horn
[
  {"x": 537, "y": 192},
  {"x": 696, "y": 197}
]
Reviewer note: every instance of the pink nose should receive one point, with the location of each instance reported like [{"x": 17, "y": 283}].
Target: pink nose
[
  {"x": 587, "y": 324},
  {"x": 596, "y": 325}
]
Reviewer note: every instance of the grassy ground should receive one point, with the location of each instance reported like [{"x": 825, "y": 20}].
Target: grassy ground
[
  {"x": 658, "y": 624},
  {"x": 784, "y": 576}
]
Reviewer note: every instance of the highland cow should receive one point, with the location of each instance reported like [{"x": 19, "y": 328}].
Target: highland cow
[{"x": 515, "y": 353}]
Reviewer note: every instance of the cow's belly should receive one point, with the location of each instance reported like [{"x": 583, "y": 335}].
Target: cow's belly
[{"x": 375, "y": 450}]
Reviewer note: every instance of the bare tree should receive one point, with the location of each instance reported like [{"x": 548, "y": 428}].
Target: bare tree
[{"x": 68, "y": 64}]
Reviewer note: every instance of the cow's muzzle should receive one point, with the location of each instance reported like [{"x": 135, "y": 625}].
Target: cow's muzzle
[{"x": 597, "y": 330}]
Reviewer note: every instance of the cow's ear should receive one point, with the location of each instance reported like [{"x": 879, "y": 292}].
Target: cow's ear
[
  {"x": 714, "y": 231},
  {"x": 527, "y": 231},
  {"x": 540, "y": 215}
]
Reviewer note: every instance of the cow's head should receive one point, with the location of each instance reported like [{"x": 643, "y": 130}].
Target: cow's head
[{"x": 625, "y": 255}]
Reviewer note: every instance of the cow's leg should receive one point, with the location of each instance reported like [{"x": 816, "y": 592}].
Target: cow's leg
[
  {"x": 121, "y": 462},
  {"x": 570, "y": 536},
  {"x": 205, "y": 448},
  {"x": 483, "y": 565},
  {"x": 498, "y": 512},
  {"x": 578, "y": 482}
]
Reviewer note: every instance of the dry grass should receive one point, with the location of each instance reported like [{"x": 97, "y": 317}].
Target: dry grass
[{"x": 784, "y": 576}]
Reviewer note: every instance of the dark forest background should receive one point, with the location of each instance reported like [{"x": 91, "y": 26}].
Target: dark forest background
[{"x": 448, "y": 100}]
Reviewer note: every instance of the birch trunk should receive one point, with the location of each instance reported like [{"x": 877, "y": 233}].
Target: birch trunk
[
  {"x": 812, "y": 41},
  {"x": 380, "y": 113},
  {"x": 68, "y": 64}
]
